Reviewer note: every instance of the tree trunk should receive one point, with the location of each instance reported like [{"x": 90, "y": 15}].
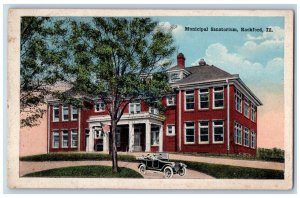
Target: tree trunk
[{"x": 114, "y": 154}]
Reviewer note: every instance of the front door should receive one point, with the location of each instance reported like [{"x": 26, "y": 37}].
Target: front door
[{"x": 137, "y": 139}]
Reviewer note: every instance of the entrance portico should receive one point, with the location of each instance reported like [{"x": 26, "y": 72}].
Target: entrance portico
[{"x": 145, "y": 130}]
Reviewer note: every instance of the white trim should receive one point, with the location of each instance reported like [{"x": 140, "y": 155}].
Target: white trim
[
  {"x": 185, "y": 127},
  {"x": 244, "y": 137},
  {"x": 62, "y": 138},
  {"x": 100, "y": 109},
  {"x": 228, "y": 117},
  {"x": 72, "y": 108},
  {"x": 214, "y": 107},
  {"x": 55, "y": 107},
  {"x": 172, "y": 129},
  {"x": 253, "y": 107},
  {"x": 173, "y": 97},
  {"x": 79, "y": 128},
  {"x": 253, "y": 142},
  {"x": 238, "y": 96},
  {"x": 72, "y": 133},
  {"x": 48, "y": 129},
  {"x": 247, "y": 92},
  {"x": 62, "y": 113},
  {"x": 246, "y": 102},
  {"x": 52, "y": 137},
  {"x": 179, "y": 114},
  {"x": 199, "y": 98},
  {"x": 135, "y": 104},
  {"x": 185, "y": 94},
  {"x": 200, "y": 127},
  {"x": 238, "y": 128},
  {"x": 213, "y": 132}
]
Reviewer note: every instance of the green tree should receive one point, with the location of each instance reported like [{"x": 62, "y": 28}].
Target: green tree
[
  {"x": 38, "y": 57},
  {"x": 119, "y": 60}
]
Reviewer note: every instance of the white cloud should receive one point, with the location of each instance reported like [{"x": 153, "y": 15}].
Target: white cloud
[
  {"x": 276, "y": 34},
  {"x": 250, "y": 71},
  {"x": 176, "y": 29}
]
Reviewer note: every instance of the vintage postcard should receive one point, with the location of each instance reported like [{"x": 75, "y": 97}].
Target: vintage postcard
[{"x": 150, "y": 99}]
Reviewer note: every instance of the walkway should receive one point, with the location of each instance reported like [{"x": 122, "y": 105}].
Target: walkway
[
  {"x": 225, "y": 161},
  {"x": 29, "y": 167}
]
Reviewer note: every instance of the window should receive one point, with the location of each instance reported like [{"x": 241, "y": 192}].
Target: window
[
  {"x": 134, "y": 108},
  {"x": 74, "y": 138},
  {"x": 65, "y": 113},
  {"x": 246, "y": 107},
  {"x": 98, "y": 134},
  {"x": 155, "y": 135},
  {"x": 204, "y": 98},
  {"x": 253, "y": 113},
  {"x": 74, "y": 113},
  {"x": 218, "y": 131},
  {"x": 218, "y": 97},
  {"x": 238, "y": 100},
  {"x": 189, "y": 100},
  {"x": 65, "y": 139},
  {"x": 171, "y": 100},
  {"x": 153, "y": 110},
  {"x": 99, "y": 107},
  {"x": 203, "y": 132},
  {"x": 55, "y": 113},
  {"x": 246, "y": 136},
  {"x": 253, "y": 139},
  {"x": 189, "y": 129},
  {"x": 175, "y": 76},
  {"x": 55, "y": 139},
  {"x": 171, "y": 129},
  {"x": 237, "y": 133}
]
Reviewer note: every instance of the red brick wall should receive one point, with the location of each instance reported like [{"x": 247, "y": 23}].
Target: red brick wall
[{"x": 236, "y": 116}]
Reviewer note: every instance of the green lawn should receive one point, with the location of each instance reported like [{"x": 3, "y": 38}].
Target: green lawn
[{"x": 87, "y": 172}]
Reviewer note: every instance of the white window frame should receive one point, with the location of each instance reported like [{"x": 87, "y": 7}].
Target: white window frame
[
  {"x": 203, "y": 93},
  {"x": 173, "y": 73},
  {"x": 237, "y": 133},
  {"x": 101, "y": 107},
  {"x": 63, "y": 112},
  {"x": 214, "y": 100},
  {"x": 135, "y": 104},
  {"x": 153, "y": 110},
  {"x": 189, "y": 94},
  {"x": 253, "y": 112},
  {"x": 171, "y": 100},
  {"x": 63, "y": 132},
  {"x": 246, "y": 107},
  {"x": 55, "y": 107},
  {"x": 56, "y": 134},
  {"x": 155, "y": 135},
  {"x": 98, "y": 134},
  {"x": 72, "y": 114},
  {"x": 238, "y": 100},
  {"x": 172, "y": 127},
  {"x": 203, "y": 127},
  {"x": 74, "y": 132},
  {"x": 246, "y": 131},
  {"x": 215, "y": 126},
  {"x": 253, "y": 139},
  {"x": 189, "y": 127}
]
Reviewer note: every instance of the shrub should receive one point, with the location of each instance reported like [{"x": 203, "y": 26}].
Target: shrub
[{"x": 274, "y": 154}]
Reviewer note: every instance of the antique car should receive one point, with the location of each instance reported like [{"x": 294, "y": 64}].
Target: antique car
[{"x": 160, "y": 162}]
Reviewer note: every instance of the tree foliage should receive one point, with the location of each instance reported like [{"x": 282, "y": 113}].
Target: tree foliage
[{"x": 37, "y": 70}]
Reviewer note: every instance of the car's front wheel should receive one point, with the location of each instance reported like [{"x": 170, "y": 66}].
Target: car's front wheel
[
  {"x": 182, "y": 171},
  {"x": 168, "y": 172},
  {"x": 142, "y": 169}
]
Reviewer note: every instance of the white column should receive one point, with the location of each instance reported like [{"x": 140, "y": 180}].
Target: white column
[
  {"x": 91, "y": 140},
  {"x": 131, "y": 136},
  {"x": 148, "y": 136},
  {"x": 161, "y": 138},
  {"x": 106, "y": 142}
]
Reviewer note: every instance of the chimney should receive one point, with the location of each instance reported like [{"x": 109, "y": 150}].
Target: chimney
[
  {"x": 202, "y": 62},
  {"x": 181, "y": 60}
]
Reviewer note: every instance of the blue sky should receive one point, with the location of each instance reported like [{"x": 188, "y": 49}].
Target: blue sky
[{"x": 254, "y": 56}]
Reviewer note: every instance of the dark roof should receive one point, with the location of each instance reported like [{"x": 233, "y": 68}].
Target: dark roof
[
  {"x": 176, "y": 67},
  {"x": 204, "y": 73}
]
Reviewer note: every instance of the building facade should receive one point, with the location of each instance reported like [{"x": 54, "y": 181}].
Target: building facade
[{"x": 211, "y": 111}]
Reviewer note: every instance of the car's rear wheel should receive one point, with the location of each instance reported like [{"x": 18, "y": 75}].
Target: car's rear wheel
[
  {"x": 182, "y": 171},
  {"x": 142, "y": 169},
  {"x": 168, "y": 172}
]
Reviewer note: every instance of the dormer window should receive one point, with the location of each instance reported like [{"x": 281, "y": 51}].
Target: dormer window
[{"x": 175, "y": 76}]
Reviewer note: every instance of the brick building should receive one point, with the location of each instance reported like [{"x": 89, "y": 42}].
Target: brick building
[{"x": 211, "y": 111}]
